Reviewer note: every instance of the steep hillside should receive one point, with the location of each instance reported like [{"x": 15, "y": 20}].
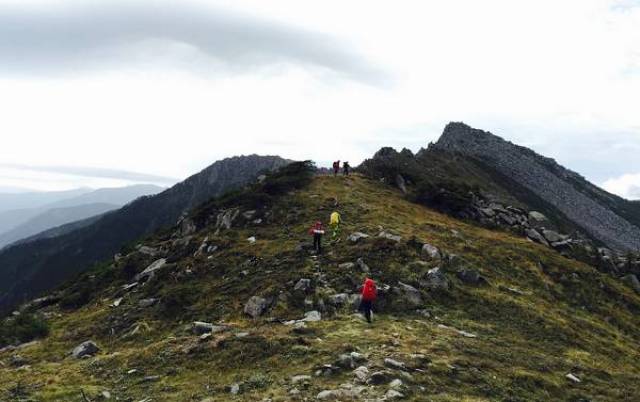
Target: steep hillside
[
  {"x": 604, "y": 216},
  {"x": 27, "y": 270},
  {"x": 464, "y": 314},
  {"x": 53, "y": 218}
]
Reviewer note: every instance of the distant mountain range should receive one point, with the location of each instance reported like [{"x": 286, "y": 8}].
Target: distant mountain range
[
  {"x": 30, "y": 268},
  {"x": 59, "y": 208}
]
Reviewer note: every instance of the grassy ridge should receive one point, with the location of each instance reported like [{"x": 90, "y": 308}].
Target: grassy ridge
[{"x": 541, "y": 316}]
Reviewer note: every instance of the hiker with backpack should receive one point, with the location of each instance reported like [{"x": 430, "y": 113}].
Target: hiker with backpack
[
  {"x": 317, "y": 230},
  {"x": 336, "y": 168},
  {"x": 369, "y": 294},
  {"x": 334, "y": 222},
  {"x": 346, "y": 168}
]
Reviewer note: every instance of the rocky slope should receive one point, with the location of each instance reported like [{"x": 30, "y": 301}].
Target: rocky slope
[
  {"x": 231, "y": 305},
  {"x": 596, "y": 211},
  {"x": 28, "y": 269}
]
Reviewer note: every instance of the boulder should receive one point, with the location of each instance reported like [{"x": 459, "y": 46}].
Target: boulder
[
  {"x": 346, "y": 266},
  {"x": 345, "y": 361},
  {"x": 303, "y": 285},
  {"x": 430, "y": 252},
  {"x": 390, "y": 236},
  {"x": 552, "y": 236},
  {"x": 379, "y": 377},
  {"x": 144, "y": 303},
  {"x": 393, "y": 394},
  {"x": 150, "y": 271},
  {"x": 435, "y": 279},
  {"x": 632, "y": 280},
  {"x": 256, "y": 306},
  {"x": 409, "y": 295},
  {"x": 300, "y": 379},
  {"x": 225, "y": 219},
  {"x": 88, "y": 348},
  {"x": 311, "y": 316},
  {"x": 187, "y": 227},
  {"x": 470, "y": 276},
  {"x": 339, "y": 300},
  {"x": 200, "y": 328},
  {"x": 395, "y": 364},
  {"x": 535, "y": 236},
  {"x": 357, "y": 236},
  {"x": 361, "y": 374},
  {"x": 537, "y": 216},
  {"x": 363, "y": 266}
]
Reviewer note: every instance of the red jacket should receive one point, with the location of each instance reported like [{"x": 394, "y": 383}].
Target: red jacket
[
  {"x": 316, "y": 228},
  {"x": 369, "y": 290}
]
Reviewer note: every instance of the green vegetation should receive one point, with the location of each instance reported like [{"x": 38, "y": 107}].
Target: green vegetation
[
  {"x": 21, "y": 329},
  {"x": 538, "y": 317}
]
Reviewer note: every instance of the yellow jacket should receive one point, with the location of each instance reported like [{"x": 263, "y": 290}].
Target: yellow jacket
[{"x": 335, "y": 218}]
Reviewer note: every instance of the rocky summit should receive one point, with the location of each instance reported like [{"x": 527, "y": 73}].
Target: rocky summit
[{"x": 466, "y": 310}]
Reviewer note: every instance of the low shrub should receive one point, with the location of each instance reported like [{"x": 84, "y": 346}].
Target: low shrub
[{"x": 23, "y": 328}]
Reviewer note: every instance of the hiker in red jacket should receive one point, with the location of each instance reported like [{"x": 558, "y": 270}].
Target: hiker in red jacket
[
  {"x": 336, "y": 168},
  {"x": 317, "y": 231},
  {"x": 369, "y": 295}
]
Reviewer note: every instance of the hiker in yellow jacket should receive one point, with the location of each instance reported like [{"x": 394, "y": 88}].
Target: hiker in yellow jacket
[{"x": 334, "y": 223}]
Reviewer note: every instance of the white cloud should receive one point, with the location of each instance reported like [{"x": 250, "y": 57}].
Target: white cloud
[
  {"x": 627, "y": 186},
  {"x": 561, "y": 77}
]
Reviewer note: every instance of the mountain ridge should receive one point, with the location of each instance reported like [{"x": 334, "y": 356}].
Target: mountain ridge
[{"x": 28, "y": 269}]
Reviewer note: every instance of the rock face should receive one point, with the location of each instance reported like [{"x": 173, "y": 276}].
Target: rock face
[
  {"x": 88, "y": 348},
  {"x": 256, "y": 306},
  {"x": 567, "y": 191},
  {"x": 150, "y": 271}
]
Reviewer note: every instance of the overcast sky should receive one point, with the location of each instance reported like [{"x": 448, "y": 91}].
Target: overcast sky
[{"x": 106, "y": 93}]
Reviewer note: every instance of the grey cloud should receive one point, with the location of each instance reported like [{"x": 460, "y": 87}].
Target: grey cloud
[
  {"x": 96, "y": 172},
  {"x": 65, "y": 39}
]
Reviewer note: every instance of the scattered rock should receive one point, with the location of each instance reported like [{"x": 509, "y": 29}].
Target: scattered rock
[
  {"x": 470, "y": 276},
  {"x": 199, "y": 328},
  {"x": 573, "y": 378},
  {"x": 300, "y": 379},
  {"x": 361, "y": 374},
  {"x": 379, "y": 377},
  {"x": 256, "y": 306},
  {"x": 144, "y": 303},
  {"x": 430, "y": 252},
  {"x": 311, "y": 316},
  {"x": 458, "y": 331},
  {"x": 537, "y": 216},
  {"x": 435, "y": 279},
  {"x": 251, "y": 240},
  {"x": 88, "y": 348},
  {"x": 393, "y": 394},
  {"x": 148, "y": 250},
  {"x": 303, "y": 285},
  {"x": 339, "y": 299},
  {"x": 363, "y": 266},
  {"x": 552, "y": 236},
  {"x": 150, "y": 271},
  {"x": 395, "y": 364},
  {"x": 345, "y": 361},
  {"x": 346, "y": 266},
  {"x": 116, "y": 302},
  {"x": 390, "y": 236},
  {"x": 187, "y": 227},
  {"x": 225, "y": 219},
  {"x": 234, "y": 389},
  {"x": 357, "y": 236},
  {"x": 535, "y": 236},
  {"x": 18, "y": 361}
]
